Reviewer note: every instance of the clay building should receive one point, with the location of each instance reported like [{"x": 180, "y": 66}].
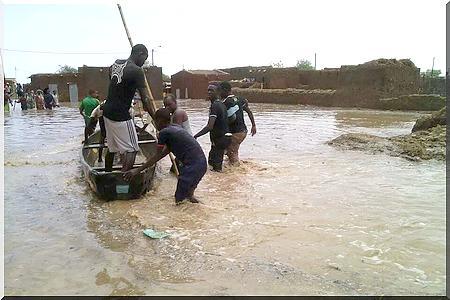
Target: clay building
[
  {"x": 75, "y": 86},
  {"x": 386, "y": 76},
  {"x": 193, "y": 84}
]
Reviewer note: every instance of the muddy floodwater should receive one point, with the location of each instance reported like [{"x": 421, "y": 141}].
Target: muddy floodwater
[{"x": 297, "y": 217}]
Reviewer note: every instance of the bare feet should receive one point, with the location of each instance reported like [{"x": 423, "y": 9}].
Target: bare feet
[
  {"x": 190, "y": 199},
  {"x": 193, "y": 200}
]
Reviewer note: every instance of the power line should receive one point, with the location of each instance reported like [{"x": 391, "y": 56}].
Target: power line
[{"x": 55, "y": 52}]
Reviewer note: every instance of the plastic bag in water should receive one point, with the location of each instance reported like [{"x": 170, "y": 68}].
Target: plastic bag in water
[{"x": 155, "y": 234}]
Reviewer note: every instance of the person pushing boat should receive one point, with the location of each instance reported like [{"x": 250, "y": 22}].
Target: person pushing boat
[
  {"x": 126, "y": 76},
  {"x": 173, "y": 138}
]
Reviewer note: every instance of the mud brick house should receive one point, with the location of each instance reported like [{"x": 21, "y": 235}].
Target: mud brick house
[
  {"x": 75, "y": 86},
  {"x": 363, "y": 84},
  {"x": 385, "y": 75},
  {"x": 193, "y": 84}
]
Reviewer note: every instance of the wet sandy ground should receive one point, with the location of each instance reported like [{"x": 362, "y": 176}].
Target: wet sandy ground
[{"x": 297, "y": 217}]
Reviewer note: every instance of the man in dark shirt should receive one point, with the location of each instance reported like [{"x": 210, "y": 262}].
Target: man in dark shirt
[
  {"x": 126, "y": 76},
  {"x": 218, "y": 130},
  {"x": 48, "y": 99},
  {"x": 235, "y": 111},
  {"x": 173, "y": 138}
]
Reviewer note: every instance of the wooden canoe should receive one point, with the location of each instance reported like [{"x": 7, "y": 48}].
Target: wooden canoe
[{"x": 111, "y": 185}]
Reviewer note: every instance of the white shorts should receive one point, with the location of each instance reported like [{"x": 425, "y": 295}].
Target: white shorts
[{"x": 121, "y": 136}]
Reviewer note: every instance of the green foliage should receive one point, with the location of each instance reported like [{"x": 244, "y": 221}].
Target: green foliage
[
  {"x": 427, "y": 73},
  {"x": 278, "y": 64},
  {"x": 165, "y": 77},
  {"x": 304, "y": 64},
  {"x": 66, "y": 69}
]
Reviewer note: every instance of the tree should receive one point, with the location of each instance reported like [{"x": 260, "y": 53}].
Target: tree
[
  {"x": 66, "y": 69},
  {"x": 428, "y": 74},
  {"x": 165, "y": 77},
  {"x": 278, "y": 64},
  {"x": 304, "y": 64}
]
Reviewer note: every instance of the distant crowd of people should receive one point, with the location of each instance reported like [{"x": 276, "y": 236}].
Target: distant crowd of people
[{"x": 29, "y": 99}]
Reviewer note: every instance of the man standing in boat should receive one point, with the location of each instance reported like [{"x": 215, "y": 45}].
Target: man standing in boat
[{"x": 126, "y": 76}]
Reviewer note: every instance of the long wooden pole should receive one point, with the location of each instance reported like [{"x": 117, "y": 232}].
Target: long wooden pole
[{"x": 147, "y": 86}]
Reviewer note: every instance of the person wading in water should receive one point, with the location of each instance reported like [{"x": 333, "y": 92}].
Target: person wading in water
[
  {"x": 48, "y": 99},
  {"x": 87, "y": 105},
  {"x": 177, "y": 115},
  {"x": 126, "y": 76},
  {"x": 235, "y": 112},
  {"x": 173, "y": 138},
  {"x": 218, "y": 130}
]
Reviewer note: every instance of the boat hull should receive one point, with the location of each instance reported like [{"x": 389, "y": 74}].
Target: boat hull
[{"x": 111, "y": 185}]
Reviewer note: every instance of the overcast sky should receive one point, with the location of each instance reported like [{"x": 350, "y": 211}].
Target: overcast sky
[{"x": 204, "y": 34}]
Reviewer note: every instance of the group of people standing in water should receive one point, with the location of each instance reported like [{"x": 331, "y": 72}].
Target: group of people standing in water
[
  {"x": 41, "y": 99},
  {"x": 225, "y": 125}
]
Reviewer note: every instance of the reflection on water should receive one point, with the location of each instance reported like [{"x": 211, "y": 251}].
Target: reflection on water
[{"x": 296, "y": 217}]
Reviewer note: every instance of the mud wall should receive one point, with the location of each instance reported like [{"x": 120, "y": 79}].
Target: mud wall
[
  {"x": 194, "y": 86},
  {"x": 87, "y": 78},
  {"x": 354, "y": 86},
  {"x": 374, "y": 79},
  {"x": 341, "y": 98},
  {"x": 41, "y": 81},
  {"x": 288, "y": 96}
]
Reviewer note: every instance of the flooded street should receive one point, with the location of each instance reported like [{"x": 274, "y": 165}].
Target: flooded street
[{"x": 297, "y": 217}]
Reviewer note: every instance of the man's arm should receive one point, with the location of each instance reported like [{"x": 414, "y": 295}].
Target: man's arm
[
  {"x": 161, "y": 152},
  {"x": 252, "y": 118},
  {"x": 207, "y": 128},
  {"x": 142, "y": 89},
  {"x": 145, "y": 98}
]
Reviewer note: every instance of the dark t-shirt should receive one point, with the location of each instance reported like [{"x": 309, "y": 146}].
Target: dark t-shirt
[
  {"x": 181, "y": 144},
  {"x": 219, "y": 111},
  {"x": 239, "y": 123},
  {"x": 48, "y": 99},
  {"x": 125, "y": 77}
]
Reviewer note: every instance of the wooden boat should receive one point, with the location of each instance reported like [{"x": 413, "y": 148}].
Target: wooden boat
[{"x": 111, "y": 185}]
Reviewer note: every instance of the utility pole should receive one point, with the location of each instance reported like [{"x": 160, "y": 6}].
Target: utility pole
[
  {"x": 432, "y": 68},
  {"x": 315, "y": 61},
  {"x": 153, "y": 50}
]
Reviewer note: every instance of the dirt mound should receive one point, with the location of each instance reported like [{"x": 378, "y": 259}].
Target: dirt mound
[
  {"x": 413, "y": 102},
  {"x": 422, "y": 145},
  {"x": 427, "y": 122}
]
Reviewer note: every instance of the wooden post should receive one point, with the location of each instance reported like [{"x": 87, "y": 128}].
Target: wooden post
[{"x": 149, "y": 91}]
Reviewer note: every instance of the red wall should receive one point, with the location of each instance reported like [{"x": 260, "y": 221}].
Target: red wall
[{"x": 196, "y": 84}]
